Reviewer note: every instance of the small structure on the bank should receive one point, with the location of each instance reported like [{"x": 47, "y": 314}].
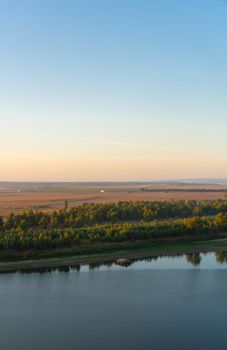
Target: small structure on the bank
[{"x": 123, "y": 262}]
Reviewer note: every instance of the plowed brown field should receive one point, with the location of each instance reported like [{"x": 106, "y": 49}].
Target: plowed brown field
[{"x": 18, "y": 201}]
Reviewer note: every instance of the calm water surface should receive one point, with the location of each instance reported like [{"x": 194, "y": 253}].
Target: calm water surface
[{"x": 168, "y": 303}]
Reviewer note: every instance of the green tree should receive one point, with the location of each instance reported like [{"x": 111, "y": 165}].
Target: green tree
[
  {"x": 66, "y": 204},
  {"x": 1, "y": 221}
]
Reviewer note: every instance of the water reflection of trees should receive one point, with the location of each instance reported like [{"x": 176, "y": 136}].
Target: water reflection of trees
[
  {"x": 221, "y": 257},
  {"x": 41, "y": 270},
  {"x": 194, "y": 258},
  {"x": 97, "y": 265}
]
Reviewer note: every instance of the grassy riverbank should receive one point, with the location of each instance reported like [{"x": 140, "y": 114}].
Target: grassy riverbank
[{"x": 65, "y": 258}]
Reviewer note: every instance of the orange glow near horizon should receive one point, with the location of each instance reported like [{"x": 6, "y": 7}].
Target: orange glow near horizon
[{"x": 113, "y": 168}]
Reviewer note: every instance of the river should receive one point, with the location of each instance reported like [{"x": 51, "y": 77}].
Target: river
[{"x": 165, "y": 303}]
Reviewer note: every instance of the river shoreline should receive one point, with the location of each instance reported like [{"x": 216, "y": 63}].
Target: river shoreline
[{"x": 111, "y": 257}]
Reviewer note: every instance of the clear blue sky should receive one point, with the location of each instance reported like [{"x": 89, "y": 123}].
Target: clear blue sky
[{"x": 113, "y": 89}]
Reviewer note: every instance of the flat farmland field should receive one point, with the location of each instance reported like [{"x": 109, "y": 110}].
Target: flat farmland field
[{"x": 16, "y": 197}]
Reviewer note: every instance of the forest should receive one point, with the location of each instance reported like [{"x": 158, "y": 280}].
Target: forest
[{"x": 111, "y": 222}]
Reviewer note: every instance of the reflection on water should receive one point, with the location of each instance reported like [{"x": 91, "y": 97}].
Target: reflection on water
[
  {"x": 194, "y": 258},
  {"x": 159, "y": 302},
  {"x": 221, "y": 257},
  {"x": 169, "y": 261}
]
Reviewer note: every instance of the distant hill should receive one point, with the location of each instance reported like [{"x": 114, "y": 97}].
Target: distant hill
[{"x": 206, "y": 181}]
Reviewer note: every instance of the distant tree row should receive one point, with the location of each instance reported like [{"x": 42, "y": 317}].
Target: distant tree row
[{"x": 128, "y": 211}]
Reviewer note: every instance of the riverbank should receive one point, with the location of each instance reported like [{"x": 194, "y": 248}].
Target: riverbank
[{"x": 131, "y": 254}]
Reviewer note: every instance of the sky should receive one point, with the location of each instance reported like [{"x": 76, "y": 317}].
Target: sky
[{"x": 113, "y": 90}]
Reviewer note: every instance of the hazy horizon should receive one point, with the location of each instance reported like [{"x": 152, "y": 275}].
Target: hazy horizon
[
  {"x": 113, "y": 90},
  {"x": 202, "y": 181}
]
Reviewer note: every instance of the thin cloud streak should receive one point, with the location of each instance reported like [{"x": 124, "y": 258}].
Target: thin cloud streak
[{"x": 153, "y": 148}]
